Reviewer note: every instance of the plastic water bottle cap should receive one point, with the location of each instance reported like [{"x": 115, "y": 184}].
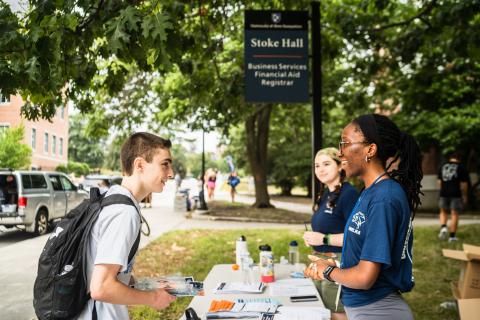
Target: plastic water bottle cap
[
  {"x": 294, "y": 243},
  {"x": 265, "y": 247}
]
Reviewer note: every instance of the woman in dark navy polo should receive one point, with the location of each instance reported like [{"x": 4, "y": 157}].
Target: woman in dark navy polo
[
  {"x": 332, "y": 209},
  {"x": 377, "y": 249}
]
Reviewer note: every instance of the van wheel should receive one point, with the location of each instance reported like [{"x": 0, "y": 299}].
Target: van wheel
[{"x": 41, "y": 223}]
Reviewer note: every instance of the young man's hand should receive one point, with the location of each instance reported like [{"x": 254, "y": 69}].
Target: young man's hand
[{"x": 161, "y": 299}]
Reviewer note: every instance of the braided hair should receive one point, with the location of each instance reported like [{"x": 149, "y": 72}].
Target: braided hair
[
  {"x": 332, "y": 153},
  {"x": 398, "y": 146}
]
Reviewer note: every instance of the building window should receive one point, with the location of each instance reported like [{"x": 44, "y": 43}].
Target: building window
[
  {"x": 45, "y": 143},
  {"x": 34, "y": 138},
  {"x": 4, "y": 99},
  {"x": 54, "y": 144},
  {"x": 60, "y": 147}
]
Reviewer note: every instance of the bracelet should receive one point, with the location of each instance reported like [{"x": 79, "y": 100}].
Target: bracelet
[
  {"x": 326, "y": 273},
  {"x": 326, "y": 239}
]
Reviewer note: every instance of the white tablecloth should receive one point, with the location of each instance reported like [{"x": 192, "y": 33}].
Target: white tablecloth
[{"x": 225, "y": 273}]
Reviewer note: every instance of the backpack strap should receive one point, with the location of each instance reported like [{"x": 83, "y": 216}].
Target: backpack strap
[{"x": 134, "y": 248}]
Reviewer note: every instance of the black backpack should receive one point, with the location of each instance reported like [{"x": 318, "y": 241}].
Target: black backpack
[{"x": 61, "y": 289}]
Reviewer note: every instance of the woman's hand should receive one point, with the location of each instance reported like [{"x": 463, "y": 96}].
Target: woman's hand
[
  {"x": 315, "y": 269},
  {"x": 313, "y": 238}
]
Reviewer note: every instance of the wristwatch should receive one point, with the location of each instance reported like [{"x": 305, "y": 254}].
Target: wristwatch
[
  {"x": 326, "y": 239},
  {"x": 326, "y": 273}
]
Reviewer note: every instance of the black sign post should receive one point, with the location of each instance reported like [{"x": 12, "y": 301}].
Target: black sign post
[
  {"x": 316, "y": 92},
  {"x": 276, "y": 56}
]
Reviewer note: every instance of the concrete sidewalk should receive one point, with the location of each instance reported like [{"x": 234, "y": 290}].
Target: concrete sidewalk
[{"x": 421, "y": 219}]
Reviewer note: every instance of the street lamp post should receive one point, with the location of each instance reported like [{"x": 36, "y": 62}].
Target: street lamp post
[{"x": 201, "y": 196}]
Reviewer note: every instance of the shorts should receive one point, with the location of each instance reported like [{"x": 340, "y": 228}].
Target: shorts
[
  {"x": 450, "y": 204},
  {"x": 211, "y": 184},
  {"x": 392, "y": 307},
  {"x": 328, "y": 292}
]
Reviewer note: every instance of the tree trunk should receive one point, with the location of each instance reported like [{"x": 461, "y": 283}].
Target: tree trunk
[{"x": 257, "y": 128}]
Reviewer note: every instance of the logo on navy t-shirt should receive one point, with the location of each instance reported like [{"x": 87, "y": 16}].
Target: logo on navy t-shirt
[{"x": 358, "y": 219}]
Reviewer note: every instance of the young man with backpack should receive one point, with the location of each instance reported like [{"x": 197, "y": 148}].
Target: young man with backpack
[{"x": 146, "y": 165}]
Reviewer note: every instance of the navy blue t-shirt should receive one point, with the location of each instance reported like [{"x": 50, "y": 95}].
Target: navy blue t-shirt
[
  {"x": 328, "y": 220},
  {"x": 379, "y": 230}
]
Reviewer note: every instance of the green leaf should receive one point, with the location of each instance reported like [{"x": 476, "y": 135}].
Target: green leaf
[
  {"x": 130, "y": 17},
  {"x": 71, "y": 21},
  {"x": 33, "y": 68},
  {"x": 118, "y": 36},
  {"x": 159, "y": 24}
]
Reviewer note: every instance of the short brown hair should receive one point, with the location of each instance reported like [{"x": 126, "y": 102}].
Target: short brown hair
[{"x": 140, "y": 144}]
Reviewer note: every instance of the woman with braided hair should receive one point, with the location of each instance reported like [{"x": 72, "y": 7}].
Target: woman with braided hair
[
  {"x": 331, "y": 211},
  {"x": 377, "y": 248}
]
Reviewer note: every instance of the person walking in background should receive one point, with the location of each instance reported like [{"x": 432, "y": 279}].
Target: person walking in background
[
  {"x": 331, "y": 210},
  {"x": 233, "y": 181},
  {"x": 377, "y": 248},
  {"x": 453, "y": 183},
  {"x": 211, "y": 180}
]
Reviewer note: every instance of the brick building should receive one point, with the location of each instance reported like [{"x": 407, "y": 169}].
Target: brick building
[{"x": 48, "y": 140}]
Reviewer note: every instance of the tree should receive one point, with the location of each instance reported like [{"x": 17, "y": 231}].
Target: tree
[
  {"x": 83, "y": 147},
  {"x": 416, "y": 60},
  {"x": 13, "y": 153},
  {"x": 78, "y": 168},
  {"x": 72, "y": 49},
  {"x": 112, "y": 153},
  {"x": 290, "y": 153},
  {"x": 206, "y": 89}
]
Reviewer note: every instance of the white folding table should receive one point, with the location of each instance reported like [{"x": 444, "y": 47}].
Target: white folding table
[{"x": 225, "y": 273}]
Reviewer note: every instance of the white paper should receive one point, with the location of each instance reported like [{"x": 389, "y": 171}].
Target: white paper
[
  {"x": 292, "y": 287},
  {"x": 302, "y": 313},
  {"x": 239, "y": 287}
]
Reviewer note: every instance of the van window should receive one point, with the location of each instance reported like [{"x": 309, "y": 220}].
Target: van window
[
  {"x": 55, "y": 181},
  {"x": 38, "y": 181},
  {"x": 67, "y": 185},
  {"x": 34, "y": 181},
  {"x": 26, "y": 181}
]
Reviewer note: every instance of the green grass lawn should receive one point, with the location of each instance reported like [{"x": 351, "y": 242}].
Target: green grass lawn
[{"x": 195, "y": 252}]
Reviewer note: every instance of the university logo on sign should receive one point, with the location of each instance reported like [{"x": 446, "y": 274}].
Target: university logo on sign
[{"x": 276, "y": 17}]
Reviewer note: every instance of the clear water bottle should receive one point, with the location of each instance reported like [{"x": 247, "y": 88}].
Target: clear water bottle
[
  {"x": 246, "y": 267},
  {"x": 293, "y": 253}
]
